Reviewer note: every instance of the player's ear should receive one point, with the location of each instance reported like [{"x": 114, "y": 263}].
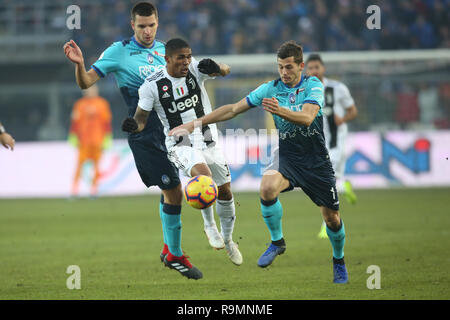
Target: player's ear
[
  {"x": 132, "y": 24},
  {"x": 302, "y": 66}
]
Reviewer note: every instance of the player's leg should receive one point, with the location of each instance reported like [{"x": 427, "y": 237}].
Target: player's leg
[
  {"x": 210, "y": 227},
  {"x": 272, "y": 184},
  {"x": 76, "y": 178},
  {"x": 171, "y": 215},
  {"x": 155, "y": 168},
  {"x": 225, "y": 207},
  {"x": 338, "y": 160},
  {"x": 96, "y": 156},
  {"x": 336, "y": 233}
]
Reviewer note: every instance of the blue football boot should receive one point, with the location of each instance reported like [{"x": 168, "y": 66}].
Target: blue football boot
[
  {"x": 339, "y": 271},
  {"x": 270, "y": 254}
]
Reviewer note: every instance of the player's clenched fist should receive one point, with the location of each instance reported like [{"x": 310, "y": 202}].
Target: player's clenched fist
[
  {"x": 129, "y": 125},
  {"x": 208, "y": 66}
]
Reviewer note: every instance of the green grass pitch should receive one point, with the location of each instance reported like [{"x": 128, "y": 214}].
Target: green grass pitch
[{"x": 116, "y": 243}]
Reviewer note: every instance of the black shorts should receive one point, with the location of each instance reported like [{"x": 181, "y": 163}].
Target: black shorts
[
  {"x": 151, "y": 160},
  {"x": 318, "y": 182}
]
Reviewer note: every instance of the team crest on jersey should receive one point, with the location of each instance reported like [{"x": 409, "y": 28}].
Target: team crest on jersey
[
  {"x": 192, "y": 83},
  {"x": 292, "y": 98},
  {"x": 165, "y": 88},
  {"x": 150, "y": 58}
]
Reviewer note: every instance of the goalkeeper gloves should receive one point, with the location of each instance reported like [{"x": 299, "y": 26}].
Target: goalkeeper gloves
[
  {"x": 73, "y": 139},
  {"x": 129, "y": 125},
  {"x": 208, "y": 66}
]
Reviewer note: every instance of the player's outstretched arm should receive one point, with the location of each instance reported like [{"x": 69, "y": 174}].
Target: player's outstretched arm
[
  {"x": 304, "y": 117},
  {"x": 223, "y": 113},
  {"x": 84, "y": 78}
]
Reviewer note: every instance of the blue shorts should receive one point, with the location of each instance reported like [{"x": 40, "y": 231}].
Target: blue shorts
[
  {"x": 151, "y": 160},
  {"x": 318, "y": 182}
]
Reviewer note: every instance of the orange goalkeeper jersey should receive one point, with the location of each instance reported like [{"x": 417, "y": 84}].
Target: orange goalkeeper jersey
[{"x": 91, "y": 120}]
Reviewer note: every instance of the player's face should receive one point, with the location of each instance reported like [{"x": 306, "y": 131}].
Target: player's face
[
  {"x": 178, "y": 63},
  {"x": 145, "y": 29},
  {"x": 290, "y": 71},
  {"x": 315, "y": 68}
]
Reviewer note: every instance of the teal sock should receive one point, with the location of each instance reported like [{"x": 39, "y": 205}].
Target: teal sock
[
  {"x": 337, "y": 239},
  {"x": 161, "y": 203},
  {"x": 172, "y": 224},
  {"x": 272, "y": 211}
]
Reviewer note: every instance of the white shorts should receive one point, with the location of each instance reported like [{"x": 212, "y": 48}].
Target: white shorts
[
  {"x": 185, "y": 157},
  {"x": 337, "y": 157}
]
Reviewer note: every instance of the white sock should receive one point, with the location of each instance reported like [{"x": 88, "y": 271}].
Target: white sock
[
  {"x": 208, "y": 217},
  {"x": 226, "y": 212}
]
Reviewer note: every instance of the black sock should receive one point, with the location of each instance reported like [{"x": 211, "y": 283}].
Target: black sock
[
  {"x": 279, "y": 243},
  {"x": 338, "y": 261}
]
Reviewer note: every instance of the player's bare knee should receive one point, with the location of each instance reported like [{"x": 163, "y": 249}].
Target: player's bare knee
[
  {"x": 201, "y": 169},
  {"x": 268, "y": 192},
  {"x": 173, "y": 196},
  {"x": 331, "y": 218},
  {"x": 225, "y": 192}
]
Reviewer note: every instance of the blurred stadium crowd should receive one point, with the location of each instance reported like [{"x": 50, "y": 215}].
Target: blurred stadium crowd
[
  {"x": 260, "y": 26},
  {"x": 393, "y": 95}
]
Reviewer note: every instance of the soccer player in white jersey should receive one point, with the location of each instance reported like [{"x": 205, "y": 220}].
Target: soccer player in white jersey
[
  {"x": 338, "y": 110},
  {"x": 178, "y": 95}
]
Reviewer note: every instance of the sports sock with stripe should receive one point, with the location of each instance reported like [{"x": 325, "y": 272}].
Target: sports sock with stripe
[
  {"x": 337, "y": 239},
  {"x": 272, "y": 211},
  {"x": 172, "y": 224}
]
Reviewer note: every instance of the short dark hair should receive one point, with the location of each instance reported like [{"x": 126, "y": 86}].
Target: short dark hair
[
  {"x": 291, "y": 49},
  {"x": 175, "y": 44},
  {"x": 144, "y": 9},
  {"x": 314, "y": 57}
]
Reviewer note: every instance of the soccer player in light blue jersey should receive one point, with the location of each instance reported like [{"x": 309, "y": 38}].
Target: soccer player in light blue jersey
[
  {"x": 296, "y": 102},
  {"x": 131, "y": 61}
]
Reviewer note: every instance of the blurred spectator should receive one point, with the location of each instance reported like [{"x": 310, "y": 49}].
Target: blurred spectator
[
  {"x": 335, "y": 25},
  {"x": 407, "y": 106},
  {"x": 428, "y": 104}
]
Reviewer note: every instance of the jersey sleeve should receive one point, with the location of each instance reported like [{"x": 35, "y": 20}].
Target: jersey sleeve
[
  {"x": 108, "y": 61},
  {"x": 314, "y": 92},
  {"x": 346, "y": 98},
  {"x": 146, "y": 96},
  {"x": 255, "y": 98}
]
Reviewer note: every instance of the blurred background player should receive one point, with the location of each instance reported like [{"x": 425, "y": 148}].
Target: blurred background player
[
  {"x": 90, "y": 132},
  {"x": 178, "y": 95},
  {"x": 339, "y": 109},
  {"x": 302, "y": 160},
  {"x": 6, "y": 139}
]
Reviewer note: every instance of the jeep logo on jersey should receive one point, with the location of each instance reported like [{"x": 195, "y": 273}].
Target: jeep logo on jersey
[{"x": 184, "y": 105}]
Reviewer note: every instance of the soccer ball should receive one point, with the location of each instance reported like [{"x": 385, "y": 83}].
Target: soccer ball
[{"x": 200, "y": 192}]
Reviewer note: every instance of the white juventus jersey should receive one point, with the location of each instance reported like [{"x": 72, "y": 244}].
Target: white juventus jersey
[
  {"x": 178, "y": 101},
  {"x": 337, "y": 100}
]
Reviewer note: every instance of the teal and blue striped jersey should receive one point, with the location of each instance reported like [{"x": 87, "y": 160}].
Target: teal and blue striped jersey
[
  {"x": 131, "y": 63},
  {"x": 302, "y": 142}
]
